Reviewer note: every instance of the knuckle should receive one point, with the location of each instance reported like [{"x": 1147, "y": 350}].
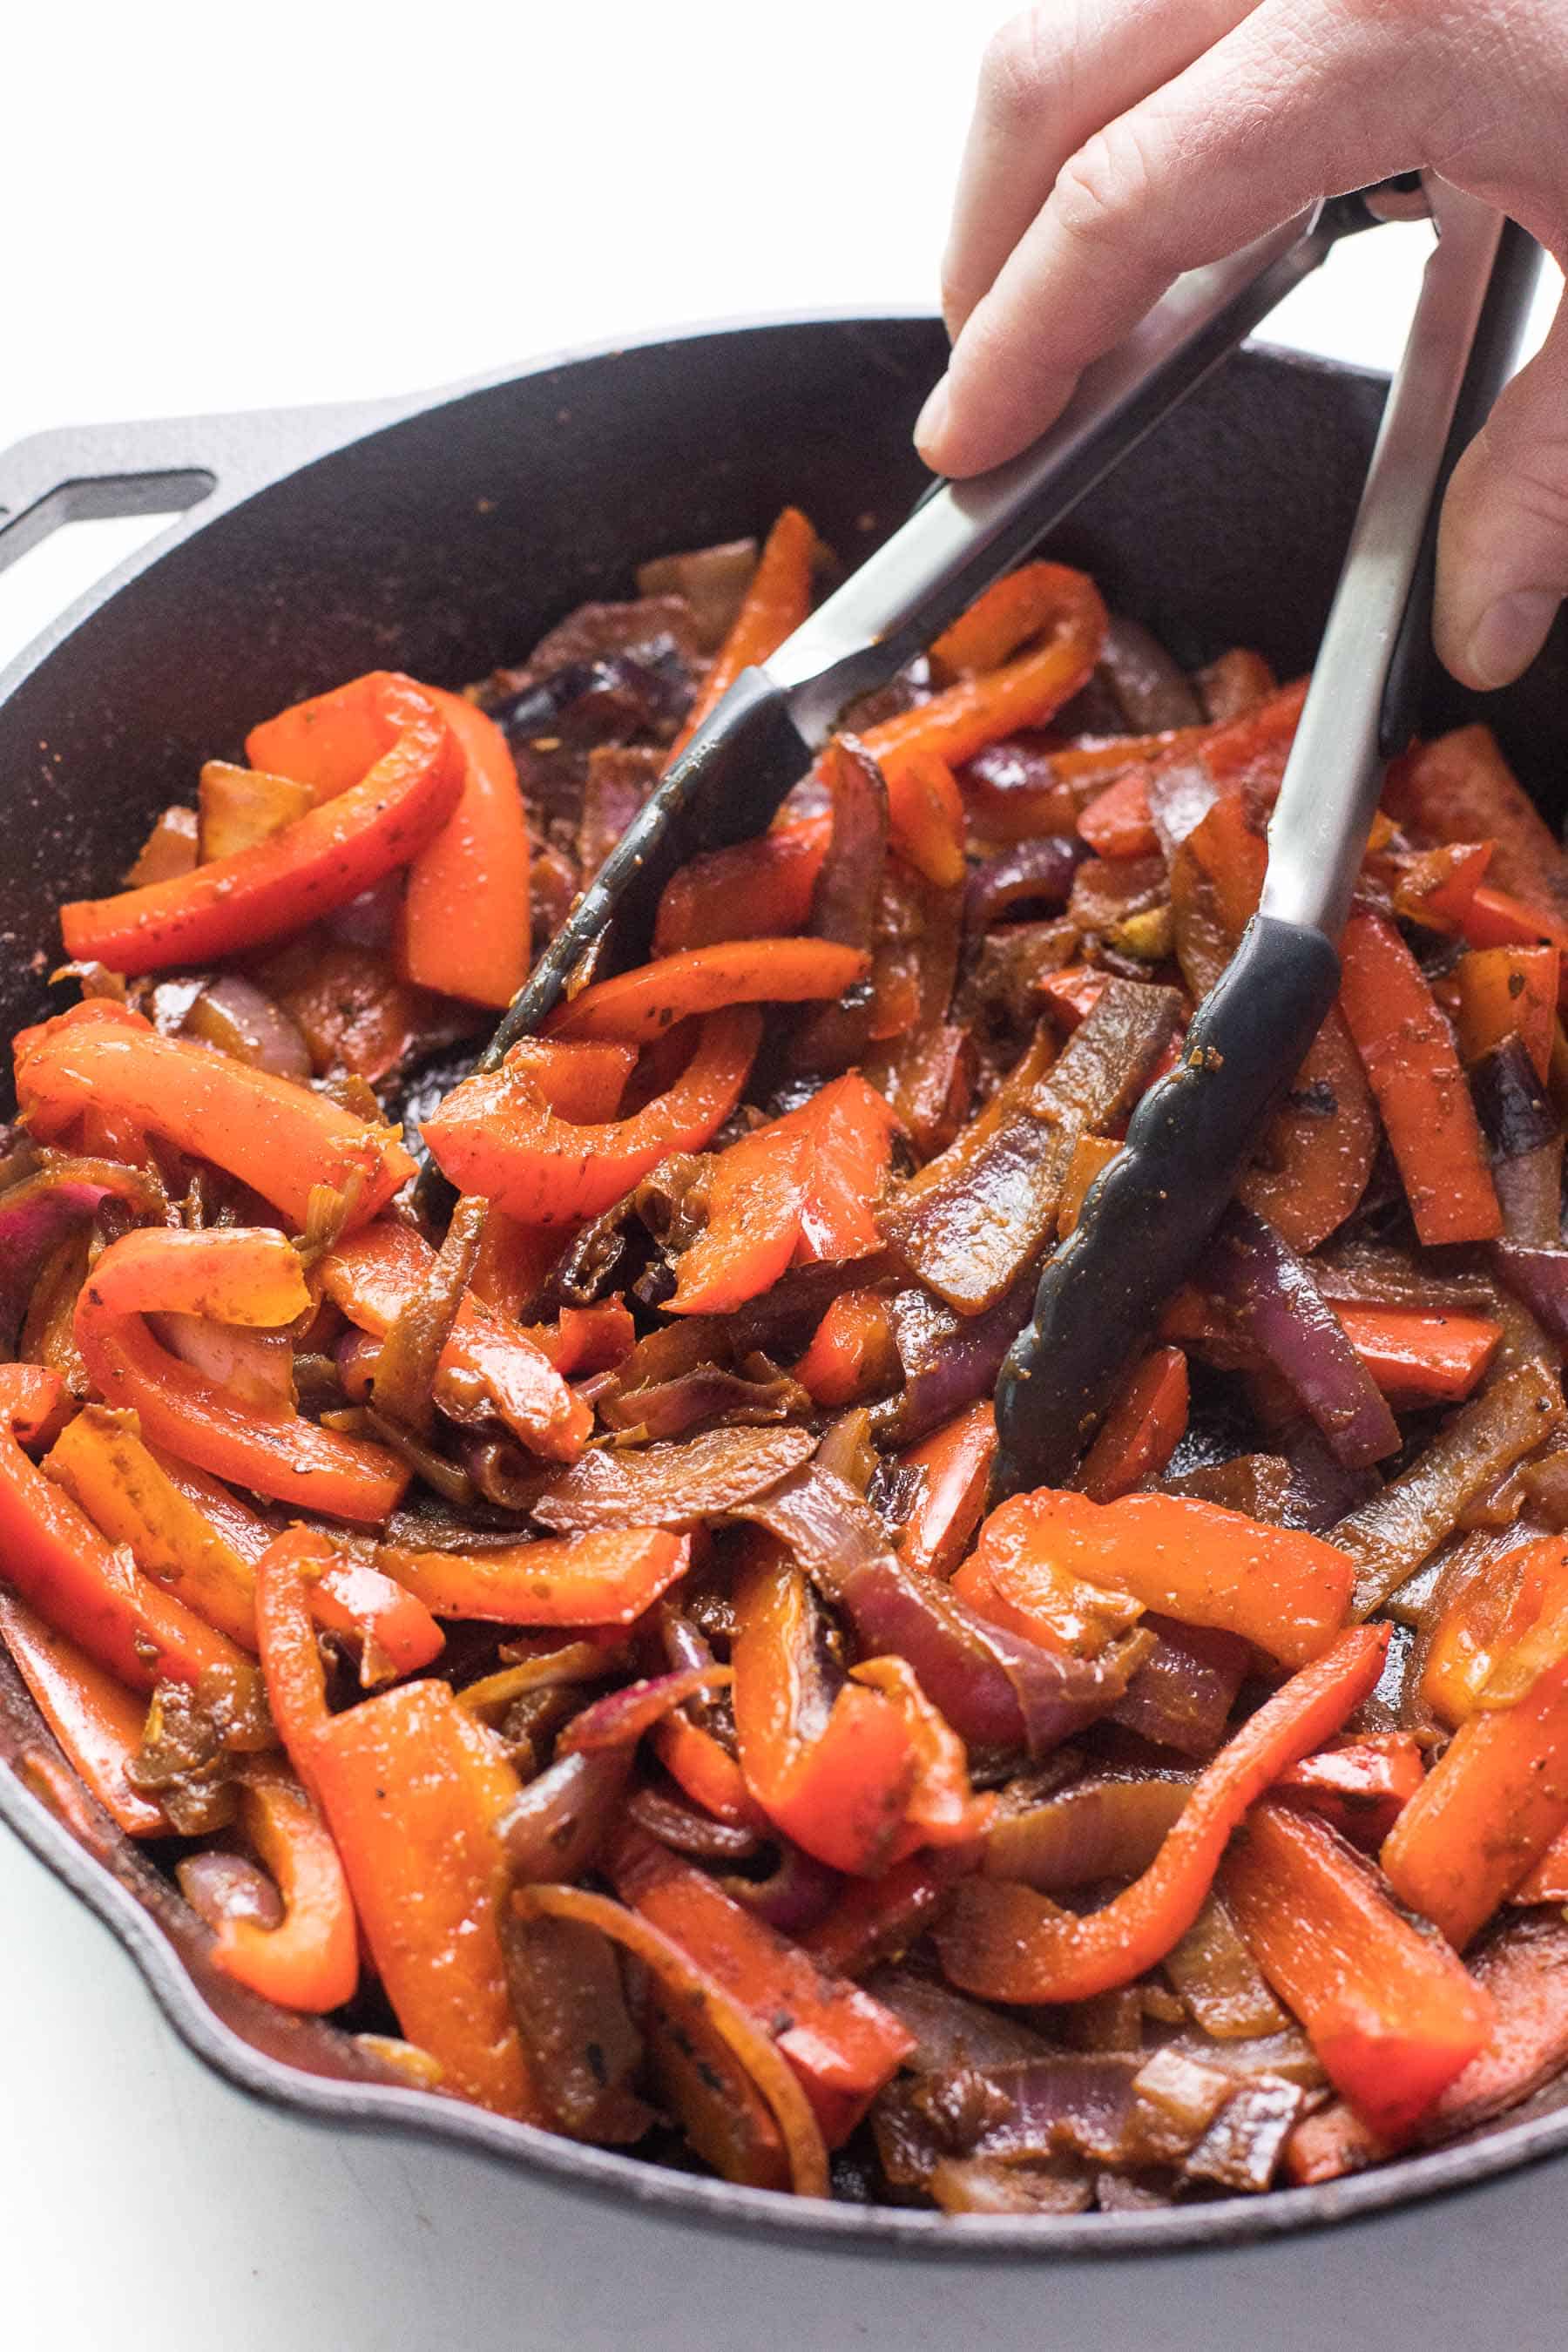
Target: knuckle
[
  {"x": 1015, "y": 68},
  {"x": 1104, "y": 186}
]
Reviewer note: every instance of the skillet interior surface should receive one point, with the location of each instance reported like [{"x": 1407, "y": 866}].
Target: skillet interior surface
[{"x": 445, "y": 543}]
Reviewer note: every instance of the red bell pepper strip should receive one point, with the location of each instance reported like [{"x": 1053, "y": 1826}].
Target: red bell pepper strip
[
  {"x": 309, "y": 869},
  {"x": 310, "y": 1961},
  {"x": 1436, "y": 886},
  {"x": 1141, "y": 1429},
  {"x": 605, "y": 1578},
  {"x": 878, "y": 1919},
  {"x": 396, "y": 1633},
  {"x": 1283, "y": 1590},
  {"x": 1497, "y": 919},
  {"x": 1361, "y": 1787},
  {"x": 1461, "y": 788},
  {"x": 1116, "y": 823},
  {"x": 707, "y": 1772},
  {"x": 1007, "y": 1942},
  {"x": 1505, "y": 989},
  {"x": 753, "y": 890},
  {"x": 772, "y": 608},
  {"x": 942, "y": 1809},
  {"x": 997, "y": 698},
  {"x": 333, "y": 740},
  {"x": 1393, "y": 2015},
  {"x": 1407, "y": 1051},
  {"x": 953, "y": 1464},
  {"x": 238, "y": 1270},
  {"x": 853, "y": 1352},
  {"x": 466, "y": 922},
  {"x": 1071, "y": 993},
  {"x": 56, "y": 1558},
  {"x": 278, "y": 1138},
  {"x": 496, "y": 1134},
  {"x": 97, "y": 1721},
  {"x": 925, "y": 817},
  {"x": 290, "y": 1662},
  {"x": 33, "y": 1398},
  {"x": 1092, "y": 1155},
  {"x": 374, "y": 1275},
  {"x": 843, "y": 2044},
  {"x": 580, "y": 1081},
  {"x": 588, "y": 1338},
  {"x": 411, "y": 1788},
  {"x": 1498, "y": 1796},
  {"x": 637, "y": 1006},
  {"x": 1548, "y": 1882},
  {"x": 1418, "y": 1358}
]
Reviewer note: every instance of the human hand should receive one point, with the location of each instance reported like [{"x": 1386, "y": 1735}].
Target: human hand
[{"x": 1116, "y": 142}]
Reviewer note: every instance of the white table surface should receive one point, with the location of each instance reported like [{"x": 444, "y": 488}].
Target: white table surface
[{"x": 207, "y": 209}]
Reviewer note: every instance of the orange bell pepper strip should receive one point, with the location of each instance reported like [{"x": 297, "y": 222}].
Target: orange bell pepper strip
[
  {"x": 995, "y": 695},
  {"x": 1418, "y": 1358},
  {"x": 1092, "y": 1155},
  {"x": 1497, "y": 919},
  {"x": 239, "y": 1273},
  {"x": 290, "y": 1661},
  {"x": 771, "y": 609},
  {"x": 840, "y": 1787},
  {"x": 707, "y": 1771},
  {"x": 33, "y": 1400},
  {"x": 752, "y": 890},
  {"x": 466, "y": 922},
  {"x": 1505, "y": 989},
  {"x": 89, "y": 1590},
  {"x": 97, "y": 1721},
  {"x": 842, "y": 2046},
  {"x": 925, "y": 817},
  {"x": 1548, "y": 1882},
  {"x": 310, "y": 1961},
  {"x": 1498, "y": 1796},
  {"x": 1408, "y": 1051},
  {"x": 1007, "y": 1943},
  {"x": 800, "y": 1190},
  {"x": 1360, "y": 1787},
  {"x": 953, "y": 1466},
  {"x": 304, "y": 871},
  {"x": 604, "y": 1578},
  {"x": 1141, "y": 1429},
  {"x": 588, "y": 1338},
  {"x": 1390, "y": 2013},
  {"x": 1436, "y": 886},
  {"x": 374, "y": 1275},
  {"x": 497, "y": 1135},
  {"x": 637, "y": 1006},
  {"x": 1118, "y": 822},
  {"x": 942, "y": 1809},
  {"x": 1285, "y": 1591},
  {"x": 278, "y": 1138},
  {"x": 397, "y": 1634},
  {"x": 581, "y": 1081},
  {"x": 853, "y": 1352},
  {"x": 411, "y": 1788},
  {"x": 1071, "y": 993},
  {"x": 1461, "y": 788}
]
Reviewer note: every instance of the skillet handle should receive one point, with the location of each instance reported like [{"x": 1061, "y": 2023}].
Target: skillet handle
[{"x": 164, "y": 465}]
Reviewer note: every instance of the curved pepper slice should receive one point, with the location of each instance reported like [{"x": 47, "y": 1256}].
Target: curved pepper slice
[
  {"x": 311, "y": 1960},
  {"x": 601, "y": 1578},
  {"x": 244, "y": 1273},
  {"x": 98, "y": 1722},
  {"x": 773, "y": 606},
  {"x": 57, "y": 1560},
  {"x": 278, "y": 1138},
  {"x": 752, "y": 890},
  {"x": 636, "y": 1007},
  {"x": 290, "y": 1662},
  {"x": 1007, "y": 1943},
  {"x": 305, "y": 870},
  {"x": 465, "y": 920},
  {"x": 496, "y": 1134}
]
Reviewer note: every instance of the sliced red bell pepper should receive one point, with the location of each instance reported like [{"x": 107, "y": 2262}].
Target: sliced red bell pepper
[
  {"x": 1408, "y": 1051},
  {"x": 1007, "y": 1942},
  {"x": 1490, "y": 1612},
  {"x": 290, "y": 1662},
  {"x": 853, "y": 1352},
  {"x": 396, "y": 1632},
  {"x": 942, "y": 1809},
  {"x": 33, "y": 1399},
  {"x": 925, "y": 816},
  {"x": 372, "y": 1277},
  {"x": 97, "y": 1721},
  {"x": 1283, "y": 1590},
  {"x": 637, "y": 1006},
  {"x": 772, "y": 608},
  {"x": 1435, "y": 887},
  {"x": 1141, "y": 1429},
  {"x": 707, "y": 1772},
  {"x": 953, "y": 1466},
  {"x": 412, "y": 1788},
  {"x": 90, "y": 1592},
  {"x": 237, "y": 1271},
  {"x": 1361, "y": 1786},
  {"x": 843, "y": 2044},
  {"x": 753, "y": 890},
  {"x": 278, "y": 1138},
  {"x": 1393, "y": 2015},
  {"x": 1418, "y": 1358},
  {"x": 1505, "y": 989},
  {"x": 878, "y": 1919},
  {"x": 1092, "y": 1155},
  {"x": 465, "y": 919},
  {"x": 1498, "y": 918},
  {"x": 997, "y": 698},
  {"x": 588, "y": 1338},
  {"x": 600, "y": 1578},
  {"x": 1461, "y": 788},
  {"x": 306, "y": 870},
  {"x": 1116, "y": 823},
  {"x": 581, "y": 1081},
  {"x": 1071, "y": 993},
  {"x": 310, "y": 1961},
  {"x": 495, "y": 1135}
]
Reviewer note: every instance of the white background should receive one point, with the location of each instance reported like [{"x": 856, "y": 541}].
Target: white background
[{"x": 213, "y": 209}]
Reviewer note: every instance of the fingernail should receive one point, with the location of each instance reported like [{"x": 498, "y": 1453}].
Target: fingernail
[
  {"x": 1508, "y": 635},
  {"x": 932, "y": 422}
]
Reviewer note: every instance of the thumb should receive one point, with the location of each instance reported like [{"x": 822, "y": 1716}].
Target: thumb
[{"x": 1502, "y": 544}]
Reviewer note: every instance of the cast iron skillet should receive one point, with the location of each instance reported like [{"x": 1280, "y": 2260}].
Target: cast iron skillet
[{"x": 443, "y": 536}]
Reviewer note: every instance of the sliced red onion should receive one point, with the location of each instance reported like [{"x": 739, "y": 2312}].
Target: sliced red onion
[
  {"x": 948, "y": 1360},
  {"x": 1511, "y": 1101},
  {"x": 1271, "y": 1293},
  {"x": 1038, "y": 872},
  {"x": 257, "y": 1367},
  {"x": 233, "y": 1015},
  {"x": 1529, "y": 1194},
  {"x": 670, "y": 1485},
  {"x": 1182, "y": 1695},
  {"x": 1243, "y": 2146},
  {"x": 553, "y": 1827},
  {"x": 792, "y": 1897},
  {"x": 369, "y": 920},
  {"x": 1321, "y": 1490},
  {"x": 38, "y": 1214},
  {"x": 620, "y": 1718},
  {"x": 1540, "y": 1278},
  {"x": 1099, "y": 1828}
]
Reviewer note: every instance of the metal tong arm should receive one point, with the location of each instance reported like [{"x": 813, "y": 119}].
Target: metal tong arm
[
  {"x": 1362, "y": 707},
  {"x": 963, "y": 535}
]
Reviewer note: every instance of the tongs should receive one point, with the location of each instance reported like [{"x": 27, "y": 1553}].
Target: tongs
[{"x": 1148, "y": 1219}]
